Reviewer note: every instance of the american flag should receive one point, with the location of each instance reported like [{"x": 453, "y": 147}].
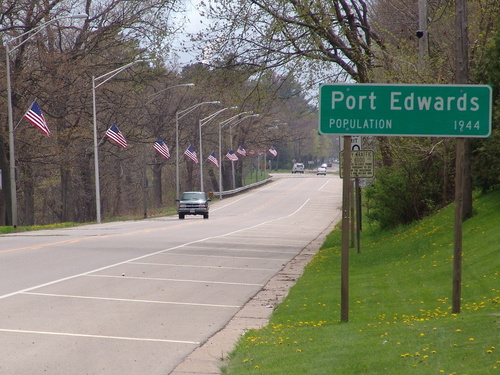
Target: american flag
[
  {"x": 35, "y": 116},
  {"x": 231, "y": 155},
  {"x": 191, "y": 154},
  {"x": 273, "y": 151},
  {"x": 116, "y": 136},
  {"x": 241, "y": 151},
  {"x": 161, "y": 148},
  {"x": 212, "y": 158}
]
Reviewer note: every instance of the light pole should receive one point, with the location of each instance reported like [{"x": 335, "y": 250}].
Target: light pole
[
  {"x": 12, "y": 163},
  {"x": 201, "y": 123},
  {"x": 144, "y": 175},
  {"x": 236, "y": 120},
  {"x": 178, "y": 116},
  {"x": 105, "y": 77},
  {"x": 153, "y": 96}
]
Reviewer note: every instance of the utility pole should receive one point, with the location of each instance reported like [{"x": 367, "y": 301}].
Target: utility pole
[
  {"x": 462, "y": 73},
  {"x": 422, "y": 35},
  {"x": 344, "y": 262}
]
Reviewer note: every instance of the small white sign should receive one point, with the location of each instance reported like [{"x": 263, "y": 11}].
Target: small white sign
[
  {"x": 362, "y": 164},
  {"x": 356, "y": 143}
]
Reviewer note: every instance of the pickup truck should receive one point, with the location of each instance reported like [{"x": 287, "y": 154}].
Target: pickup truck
[{"x": 193, "y": 203}]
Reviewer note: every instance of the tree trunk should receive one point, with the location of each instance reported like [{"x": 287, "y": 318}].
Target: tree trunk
[
  {"x": 5, "y": 203},
  {"x": 67, "y": 197},
  {"x": 29, "y": 196},
  {"x": 213, "y": 179},
  {"x": 157, "y": 186}
]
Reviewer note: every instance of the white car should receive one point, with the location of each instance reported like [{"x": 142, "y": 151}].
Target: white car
[
  {"x": 298, "y": 168},
  {"x": 321, "y": 171}
]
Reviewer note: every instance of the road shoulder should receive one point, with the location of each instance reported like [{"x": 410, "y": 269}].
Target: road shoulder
[{"x": 209, "y": 358}]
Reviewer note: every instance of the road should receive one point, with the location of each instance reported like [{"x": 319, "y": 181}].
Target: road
[{"x": 137, "y": 297}]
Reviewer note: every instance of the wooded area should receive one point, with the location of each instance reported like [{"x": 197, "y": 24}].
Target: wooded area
[
  {"x": 265, "y": 57},
  {"x": 378, "y": 41},
  {"x": 55, "y": 175}
]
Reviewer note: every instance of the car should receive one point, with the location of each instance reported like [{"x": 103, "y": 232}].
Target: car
[
  {"x": 298, "y": 168},
  {"x": 321, "y": 171},
  {"x": 193, "y": 203}
]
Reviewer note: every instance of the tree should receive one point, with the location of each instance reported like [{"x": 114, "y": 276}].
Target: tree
[
  {"x": 56, "y": 67},
  {"x": 325, "y": 40},
  {"x": 486, "y": 152}
]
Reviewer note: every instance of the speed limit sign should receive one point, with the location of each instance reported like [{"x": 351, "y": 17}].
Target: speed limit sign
[{"x": 356, "y": 143}]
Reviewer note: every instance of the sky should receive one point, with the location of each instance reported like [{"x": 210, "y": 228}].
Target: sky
[{"x": 193, "y": 24}]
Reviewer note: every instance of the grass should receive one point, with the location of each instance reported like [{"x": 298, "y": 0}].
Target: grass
[
  {"x": 400, "y": 319},
  {"x": 10, "y": 229},
  {"x": 164, "y": 211}
]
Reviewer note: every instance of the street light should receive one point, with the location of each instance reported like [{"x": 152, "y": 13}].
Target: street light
[
  {"x": 178, "y": 116},
  {"x": 12, "y": 164},
  {"x": 153, "y": 96},
  {"x": 236, "y": 119},
  {"x": 106, "y": 77},
  {"x": 201, "y": 123}
]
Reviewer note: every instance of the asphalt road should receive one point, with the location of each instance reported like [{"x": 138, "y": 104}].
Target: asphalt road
[{"x": 137, "y": 297}]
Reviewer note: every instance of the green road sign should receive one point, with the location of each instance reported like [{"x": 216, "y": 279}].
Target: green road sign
[{"x": 406, "y": 110}]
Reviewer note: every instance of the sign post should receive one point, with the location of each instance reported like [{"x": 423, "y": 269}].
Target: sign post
[
  {"x": 344, "y": 262},
  {"x": 458, "y": 111}
]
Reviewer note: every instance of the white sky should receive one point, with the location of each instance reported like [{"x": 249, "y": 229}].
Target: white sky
[{"x": 193, "y": 24}]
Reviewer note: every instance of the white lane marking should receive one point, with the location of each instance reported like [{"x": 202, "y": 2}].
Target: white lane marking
[
  {"x": 248, "y": 195},
  {"x": 98, "y": 336},
  {"x": 179, "y": 280},
  {"x": 226, "y": 256},
  {"x": 240, "y": 230},
  {"x": 239, "y": 251},
  {"x": 130, "y": 300},
  {"x": 146, "y": 256},
  {"x": 322, "y": 186},
  {"x": 198, "y": 266}
]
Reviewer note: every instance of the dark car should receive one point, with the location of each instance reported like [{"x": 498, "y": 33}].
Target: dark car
[{"x": 193, "y": 203}]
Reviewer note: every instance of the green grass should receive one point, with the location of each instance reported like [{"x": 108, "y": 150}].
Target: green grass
[
  {"x": 164, "y": 211},
  {"x": 10, "y": 229},
  {"x": 400, "y": 319}
]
